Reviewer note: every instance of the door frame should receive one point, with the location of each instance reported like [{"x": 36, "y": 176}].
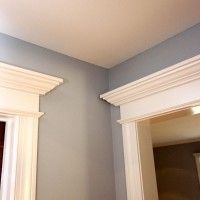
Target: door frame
[
  {"x": 9, "y": 157},
  {"x": 169, "y": 90},
  {"x": 20, "y": 92}
]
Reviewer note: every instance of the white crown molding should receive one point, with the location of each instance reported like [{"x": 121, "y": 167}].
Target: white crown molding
[
  {"x": 12, "y": 112},
  {"x": 25, "y": 80},
  {"x": 181, "y": 73}
]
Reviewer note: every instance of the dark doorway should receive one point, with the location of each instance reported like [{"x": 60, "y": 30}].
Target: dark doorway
[
  {"x": 2, "y": 136},
  {"x": 176, "y": 171}
]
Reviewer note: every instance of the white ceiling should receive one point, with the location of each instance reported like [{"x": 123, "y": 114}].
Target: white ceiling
[
  {"x": 102, "y": 32},
  {"x": 176, "y": 130}
]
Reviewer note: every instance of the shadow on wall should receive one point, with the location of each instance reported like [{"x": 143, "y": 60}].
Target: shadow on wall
[{"x": 176, "y": 172}]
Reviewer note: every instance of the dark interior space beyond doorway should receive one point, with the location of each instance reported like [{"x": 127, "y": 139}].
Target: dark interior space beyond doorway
[
  {"x": 176, "y": 172},
  {"x": 2, "y": 136}
]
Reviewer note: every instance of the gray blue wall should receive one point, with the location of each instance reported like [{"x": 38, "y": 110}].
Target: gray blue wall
[
  {"x": 167, "y": 53},
  {"x": 75, "y": 142},
  {"x": 75, "y": 157}
]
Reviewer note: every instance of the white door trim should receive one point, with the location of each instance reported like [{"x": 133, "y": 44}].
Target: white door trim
[
  {"x": 19, "y": 108},
  {"x": 9, "y": 158},
  {"x": 174, "y": 88}
]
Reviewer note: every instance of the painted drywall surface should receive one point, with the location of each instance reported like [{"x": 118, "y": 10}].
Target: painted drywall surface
[
  {"x": 169, "y": 52},
  {"x": 75, "y": 157},
  {"x": 176, "y": 172},
  {"x": 173, "y": 50},
  {"x": 120, "y": 182}
]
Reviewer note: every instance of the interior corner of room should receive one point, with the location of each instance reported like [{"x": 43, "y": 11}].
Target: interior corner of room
[{"x": 100, "y": 100}]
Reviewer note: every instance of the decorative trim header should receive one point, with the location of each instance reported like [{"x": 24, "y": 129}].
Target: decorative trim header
[
  {"x": 6, "y": 112},
  {"x": 178, "y": 74},
  {"x": 159, "y": 113},
  {"x": 25, "y": 80}
]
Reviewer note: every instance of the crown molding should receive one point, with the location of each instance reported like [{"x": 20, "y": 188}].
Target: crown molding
[
  {"x": 178, "y": 74},
  {"x": 12, "y": 112},
  {"x": 26, "y": 80}
]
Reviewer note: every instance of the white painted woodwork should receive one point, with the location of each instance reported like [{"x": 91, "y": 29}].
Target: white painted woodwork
[
  {"x": 19, "y": 108},
  {"x": 172, "y": 89},
  {"x": 163, "y": 80},
  {"x": 167, "y": 100},
  {"x": 26, "y": 80},
  {"x": 134, "y": 182},
  {"x": 147, "y": 161},
  {"x": 8, "y": 177},
  {"x": 30, "y": 102}
]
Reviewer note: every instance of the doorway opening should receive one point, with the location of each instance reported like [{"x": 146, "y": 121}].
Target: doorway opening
[
  {"x": 175, "y": 140},
  {"x": 174, "y": 88},
  {"x": 2, "y": 138}
]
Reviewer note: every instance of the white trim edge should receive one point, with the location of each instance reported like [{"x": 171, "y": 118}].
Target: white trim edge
[
  {"x": 178, "y": 74},
  {"x": 159, "y": 113},
  {"x": 26, "y": 80},
  {"x": 11, "y": 112}
]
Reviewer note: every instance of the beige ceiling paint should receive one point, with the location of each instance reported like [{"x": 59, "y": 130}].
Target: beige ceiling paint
[
  {"x": 175, "y": 129},
  {"x": 101, "y": 32}
]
